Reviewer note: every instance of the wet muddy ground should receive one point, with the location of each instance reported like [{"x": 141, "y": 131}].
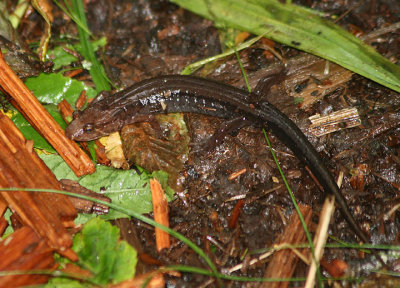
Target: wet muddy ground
[{"x": 150, "y": 38}]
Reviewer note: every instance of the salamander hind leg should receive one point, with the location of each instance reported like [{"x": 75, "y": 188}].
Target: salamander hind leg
[{"x": 228, "y": 127}]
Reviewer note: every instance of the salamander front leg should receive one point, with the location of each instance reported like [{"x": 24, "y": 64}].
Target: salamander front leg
[{"x": 265, "y": 84}]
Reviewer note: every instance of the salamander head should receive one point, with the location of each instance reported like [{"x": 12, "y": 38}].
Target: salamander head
[{"x": 91, "y": 124}]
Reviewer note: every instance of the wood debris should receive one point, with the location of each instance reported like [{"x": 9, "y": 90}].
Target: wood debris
[
  {"x": 345, "y": 118},
  {"x": 40, "y": 119},
  {"x": 160, "y": 210},
  {"x": 21, "y": 167},
  {"x": 25, "y": 251},
  {"x": 283, "y": 263}
]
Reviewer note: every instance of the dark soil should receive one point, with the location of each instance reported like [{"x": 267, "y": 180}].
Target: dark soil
[{"x": 149, "y": 38}]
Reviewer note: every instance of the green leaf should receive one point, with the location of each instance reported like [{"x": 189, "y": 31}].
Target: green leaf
[
  {"x": 60, "y": 57},
  {"x": 58, "y": 166},
  {"x": 53, "y": 88},
  {"x": 162, "y": 177},
  {"x": 124, "y": 268},
  {"x": 300, "y": 28},
  {"x": 126, "y": 188},
  {"x": 100, "y": 251},
  {"x": 59, "y": 282},
  {"x": 9, "y": 230}
]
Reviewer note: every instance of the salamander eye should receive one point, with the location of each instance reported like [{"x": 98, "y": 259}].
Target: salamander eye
[{"x": 89, "y": 127}]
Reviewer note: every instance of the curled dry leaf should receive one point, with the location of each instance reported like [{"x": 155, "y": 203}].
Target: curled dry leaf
[
  {"x": 154, "y": 150},
  {"x": 44, "y": 8}
]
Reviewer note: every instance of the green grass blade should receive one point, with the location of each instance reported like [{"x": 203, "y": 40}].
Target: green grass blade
[
  {"x": 300, "y": 28},
  {"x": 95, "y": 69},
  {"x": 191, "y": 68}
]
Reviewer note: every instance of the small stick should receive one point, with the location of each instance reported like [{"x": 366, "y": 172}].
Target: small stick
[
  {"x": 233, "y": 219},
  {"x": 82, "y": 205},
  {"x": 3, "y": 221},
  {"x": 160, "y": 210}
]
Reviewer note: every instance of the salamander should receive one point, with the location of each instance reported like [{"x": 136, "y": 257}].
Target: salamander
[{"x": 177, "y": 93}]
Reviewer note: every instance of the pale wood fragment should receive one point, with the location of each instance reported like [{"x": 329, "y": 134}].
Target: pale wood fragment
[
  {"x": 342, "y": 119},
  {"x": 321, "y": 235}
]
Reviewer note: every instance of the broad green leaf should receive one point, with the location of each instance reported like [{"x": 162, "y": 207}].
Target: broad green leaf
[
  {"x": 125, "y": 187},
  {"x": 124, "y": 267},
  {"x": 302, "y": 29},
  {"x": 53, "y": 88},
  {"x": 101, "y": 252},
  {"x": 58, "y": 166}
]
